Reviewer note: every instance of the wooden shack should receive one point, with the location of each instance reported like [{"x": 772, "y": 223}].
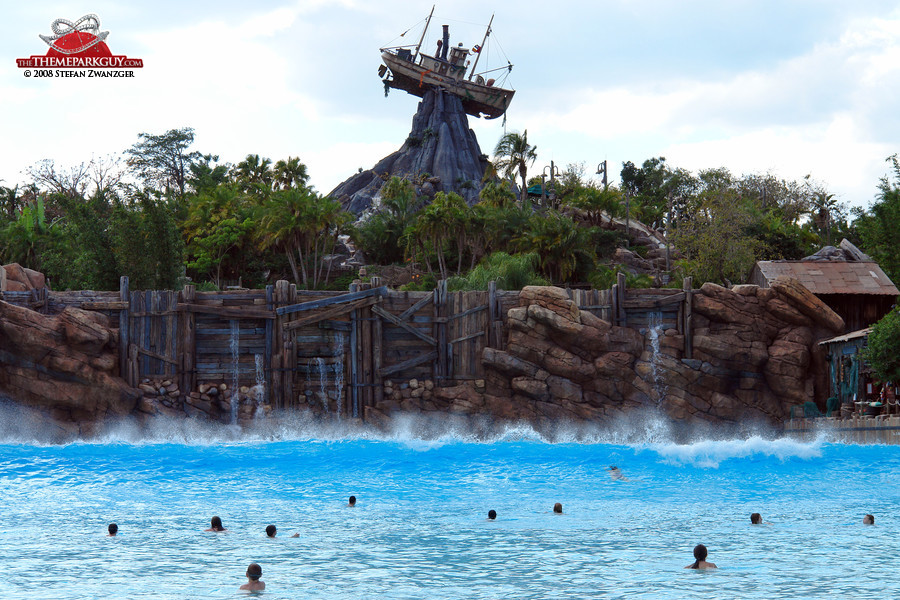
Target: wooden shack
[{"x": 859, "y": 291}]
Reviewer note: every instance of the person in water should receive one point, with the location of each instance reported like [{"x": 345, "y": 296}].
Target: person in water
[
  {"x": 271, "y": 531},
  {"x": 215, "y": 524},
  {"x": 352, "y": 502},
  {"x": 557, "y": 508},
  {"x": 700, "y": 555},
  {"x": 869, "y": 520},
  {"x": 113, "y": 529},
  {"x": 617, "y": 474},
  {"x": 492, "y": 514},
  {"x": 254, "y": 572},
  {"x": 756, "y": 519}
]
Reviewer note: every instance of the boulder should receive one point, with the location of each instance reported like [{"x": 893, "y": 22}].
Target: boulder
[{"x": 808, "y": 303}]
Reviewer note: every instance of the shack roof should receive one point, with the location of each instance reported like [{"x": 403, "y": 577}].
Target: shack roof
[
  {"x": 824, "y": 277},
  {"x": 853, "y": 335}
]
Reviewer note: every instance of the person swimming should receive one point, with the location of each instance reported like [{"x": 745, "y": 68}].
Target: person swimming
[
  {"x": 492, "y": 514},
  {"x": 113, "y": 529},
  {"x": 869, "y": 520},
  {"x": 700, "y": 554},
  {"x": 352, "y": 501},
  {"x": 271, "y": 531},
  {"x": 254, "y": 572},
  {"x": 557, "y": 508},
  {"x": 215, "y": 524},
  {"x": 616, "y": 474},
  {"x": 756, "y": 519}
]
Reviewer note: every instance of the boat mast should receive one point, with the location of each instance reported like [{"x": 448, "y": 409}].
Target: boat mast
[
  {"x": 422, "y": 39},
  {"x": 481, "y": 47}
]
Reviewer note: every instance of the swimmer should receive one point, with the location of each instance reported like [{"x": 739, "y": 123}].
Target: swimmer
[
  {"x": 254, "y": 572},
  {"x": 215, "y": 524},
  {"x": 492, "y": 514},
  {"x": 700, "y": 555},
  {"x": 869, "y": 520},
  {"x": 756, "y": 519},
  {"x": 271, "y": 531},
  {"x": 352, "y": 502},
  {"x": 113, "y": 529},
  {"x": 617, "y": 474},
  {"x": 557, "y": 508}
]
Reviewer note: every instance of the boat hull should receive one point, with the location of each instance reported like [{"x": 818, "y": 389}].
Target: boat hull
[{"x": 477, "y": 99}]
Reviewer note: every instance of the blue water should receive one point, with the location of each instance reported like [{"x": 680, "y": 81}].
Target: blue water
[{"x": 420, "y": 529}]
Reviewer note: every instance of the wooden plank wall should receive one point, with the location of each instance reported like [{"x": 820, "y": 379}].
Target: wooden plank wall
[{"x": 331, "y": 351}]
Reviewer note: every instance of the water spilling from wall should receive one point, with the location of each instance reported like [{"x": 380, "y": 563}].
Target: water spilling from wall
[{"x": 234, "y": 343}]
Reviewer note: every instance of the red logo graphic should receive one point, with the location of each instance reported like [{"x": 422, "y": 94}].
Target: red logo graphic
[{"x": 78, "y": 45}]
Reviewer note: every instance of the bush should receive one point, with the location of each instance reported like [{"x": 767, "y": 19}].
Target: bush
[
  {"x": 883, "y": 347},
  {"x": 511, "y": 272}
]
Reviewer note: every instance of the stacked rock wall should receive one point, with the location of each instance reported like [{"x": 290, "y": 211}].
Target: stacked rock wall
[
  {"x": 65, "y": 365},
  {"x": 16, "y": 278},
  {"x": 754, "y": 356}
]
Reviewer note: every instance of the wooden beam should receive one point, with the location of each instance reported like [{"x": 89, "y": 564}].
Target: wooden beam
[
  {"x": 408, "y": 364},
  {"x": 334, "y": 311},
  {"x": 228, "y": 312},
  {"x": 118, "y": 305},
  {"x": 160, "y": 357},
  {"x": 425, "y": 300},
  {"x": 315, "y": 304},
  {"x": 406, "y": 326},
  {"x": 468, "y": 312},
  {"x": 467, "y": 337}
]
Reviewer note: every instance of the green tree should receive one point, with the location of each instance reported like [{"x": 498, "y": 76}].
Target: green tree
[
  {"x": 380, "y": 235},
  {"x": 563, "y": 248},
  {"x": 882, "y": 350},
  {"x": 163, "y": 162},
  {"x": 878, "y": 226},
  {"x": 290, "y": 173},
  {"x": 512, "y": 156}
]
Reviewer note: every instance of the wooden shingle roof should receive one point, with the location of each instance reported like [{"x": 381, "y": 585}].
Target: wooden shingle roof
[{"x": 831, "y": 277}]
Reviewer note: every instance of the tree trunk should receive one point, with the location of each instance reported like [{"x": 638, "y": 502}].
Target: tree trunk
[{"x": 293, "y": 262}]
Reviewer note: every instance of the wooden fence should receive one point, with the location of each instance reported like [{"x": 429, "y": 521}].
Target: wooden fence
[{"x": 329, "y": 350}]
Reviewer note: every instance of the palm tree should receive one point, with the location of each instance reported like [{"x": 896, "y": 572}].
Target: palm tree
[
  {"x": 255, "y": 173},
  {"x": 513, "y": 155},
  {"x": 290, "y": 173}
]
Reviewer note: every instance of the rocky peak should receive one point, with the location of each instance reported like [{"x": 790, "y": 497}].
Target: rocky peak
[{"x": 441, "y": 154}]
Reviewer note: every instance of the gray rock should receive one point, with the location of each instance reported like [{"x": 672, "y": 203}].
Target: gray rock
[{"x": 440, "y": 144}]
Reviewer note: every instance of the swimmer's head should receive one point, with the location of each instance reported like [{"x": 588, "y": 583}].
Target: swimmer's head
[
  {"x": 113, "y": 529},
  {"x": 869, "y": 520},
  {"x": 270, "y": 530},
  {"x": 492, "y": 514},
  {"x": 352, "y": 501},
  {"x": 755, "y": 519},
  {"x": 557, "y": 508},
  {"x": 254, "y": 572},
  {"x": 700, "y": 552},
  {"x": 613, "y": 468},
  {"x": 216, "y": 524}
]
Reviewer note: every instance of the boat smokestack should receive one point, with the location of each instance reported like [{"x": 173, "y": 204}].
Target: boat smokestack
[{"x": 446, "y": 44}]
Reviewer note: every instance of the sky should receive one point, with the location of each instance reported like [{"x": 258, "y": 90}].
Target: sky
[{"x": 787, "y": 87}]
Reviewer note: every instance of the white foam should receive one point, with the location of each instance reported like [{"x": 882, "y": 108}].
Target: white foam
[{"x": 711, "y": 453}]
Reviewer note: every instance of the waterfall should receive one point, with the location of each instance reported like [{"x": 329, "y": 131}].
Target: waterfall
[
  {"x": 654, "y": 333},
  {"x": 339, "y": 373},
  {"x": 235, "y": 344},
  {"x": 260, "y": 384}
]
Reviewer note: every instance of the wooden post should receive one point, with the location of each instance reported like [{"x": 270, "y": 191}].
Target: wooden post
[
  {"x": 354, "y": 337},
  {"x": 377, "y": 381},
  {"x": 687, "y": 286},
  {"x": 267, "y": 359},
  {"x": 279, "y": 399},
  {"x": 188, "y": 342},
  {"x": 290, "y": 356},
  {"x": 440, "y": 369},
  {"x": 620, "y": 300},
  {"x": 124, "y": 296}
]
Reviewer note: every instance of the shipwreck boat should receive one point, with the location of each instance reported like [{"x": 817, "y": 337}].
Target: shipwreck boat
[{"x": 407, "y": 68}]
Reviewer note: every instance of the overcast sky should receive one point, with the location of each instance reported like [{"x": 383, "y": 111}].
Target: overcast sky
[{"x": 791, "y": 87}]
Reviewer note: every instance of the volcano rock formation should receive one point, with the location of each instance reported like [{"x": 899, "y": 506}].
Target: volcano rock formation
[{"x": 441, "y": 154}]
